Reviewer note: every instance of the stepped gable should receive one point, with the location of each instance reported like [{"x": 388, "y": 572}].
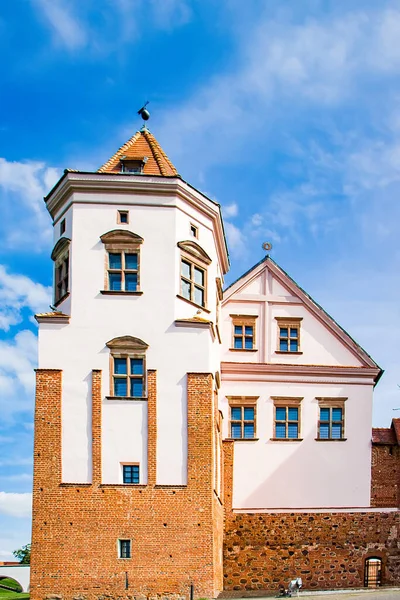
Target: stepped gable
[{"x": 140, "y": 146}]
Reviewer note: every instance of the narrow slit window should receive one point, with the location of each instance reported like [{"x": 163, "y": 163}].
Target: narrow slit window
[{"x": 124, "y": 548}]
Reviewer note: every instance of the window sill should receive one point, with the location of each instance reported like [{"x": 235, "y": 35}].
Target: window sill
[
  {"x": 243, "y": 349},
  {"x": 242, "y": 439},
  {"x": 286, "y": 439},
  {"x": 193, "y": 303},
  {"x": 61, "y": 299},
  {"x": 330, "y": 440},
  {"x": 120, "y": 293},
  {"x": 129, "y": 398},
  {"x": 287, "y": 352}
]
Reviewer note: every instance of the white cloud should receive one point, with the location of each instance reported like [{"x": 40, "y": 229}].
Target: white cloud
[
  {"x": 169, "y": 14},
  {"x": 18, "y": 292},
  {"x": 230, "y": 210},
  {"x": 65, "y": 26},
  {"x": 23, "y": 185},
  {"x": 236, "y": 242},
  {"x": 15, "y": 505}
]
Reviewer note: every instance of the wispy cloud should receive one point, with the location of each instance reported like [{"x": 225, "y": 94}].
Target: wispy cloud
[
  {"x": 64, "y": 25},
  {"x": 16, "y": 505}
]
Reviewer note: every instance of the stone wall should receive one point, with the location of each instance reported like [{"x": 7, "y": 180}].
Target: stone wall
[{"x": 171, "y": 528}]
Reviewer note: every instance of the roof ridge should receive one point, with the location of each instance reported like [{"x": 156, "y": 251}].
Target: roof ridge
[
  {"x": 124, "y": 147},
  {"x": 158, "y": 153}
]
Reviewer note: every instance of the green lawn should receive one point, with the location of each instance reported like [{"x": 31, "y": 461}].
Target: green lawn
[{"x": 7, "y": 595}]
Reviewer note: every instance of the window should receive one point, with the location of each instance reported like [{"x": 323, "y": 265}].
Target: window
[
  {"x": 130, "y": 474},
  {"x": 128, "y": 368},
  {"x": 289, "y": 334},
  {"x": 123, "y": 216},
  {"x": 244, "y": 332},
  {"x": 331, "y": 418},
  {"x": 194, "y": 231},
  {"x": 242, "y": 417},
  {"x": 62, "y": 227},
  {"x": 123, "y": 269},
  {"x": 122, "y": 262},
  {"x": 124, "y": 548},
  {"x": 60, "y": 255},
  {"x": 287, "y": 418},
  {"x": 193, "y": 273},
  {"x": 133, "y": 165}
]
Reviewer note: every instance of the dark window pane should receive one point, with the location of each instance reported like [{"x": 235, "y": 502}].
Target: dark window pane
[
  {"x": 238, "y": 330},
  {"x": 324, "y": 414},
  {"x": 238, "y": 342},
  {"x": 131, "y": 261},
  {"x": 199, "y": 296},
  {"x": 248, "y": 430},
  {"x": 324, "y": 431},
  {"x": 236, "y": 413},
  {"x": 248, "y": 331},
  {"x": 248, "y": 343},
  {"x": 336, "y": 414},
  {"x": 293, "y": 430},
  {"x": 120, "y": 366},
  {"x": 293, "y": 333},
  {"x": 283, "y": 346},
  {"x": 294, "y": 347},
  {"x": 120, "y": 386},
  {"x": 114, "y": 281},
  {"x": 115, "y": 260},
  {"x": 185, "y": 289},
  {"x": 248, "y": 413},
  {"x": 236, "y": 430},
  {"x": 280, "y": 430},
  {"x": 198, "y": 276},
  {"x": 125, "y": 548},
  {"x": 284, "y": 332},
  {"x": 336, "y": 431},
  {"x": 123, "y": 217},
  {"x": 280, "y": 413},
  {"x": 130, "y": 282},
  {"x": 293, "y": 414},
  {"x": 136, "y": 366},
  {"x": 137, "y": 388}
]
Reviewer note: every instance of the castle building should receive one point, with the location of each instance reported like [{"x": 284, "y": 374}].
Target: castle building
[{"x": 186, "y": 435}]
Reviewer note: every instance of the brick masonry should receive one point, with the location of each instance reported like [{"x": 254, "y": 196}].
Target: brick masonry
[
  {"x": 327, "y": 550},
  {"x": 176, "y": 532},
  {"x": 385, "y": 480}
]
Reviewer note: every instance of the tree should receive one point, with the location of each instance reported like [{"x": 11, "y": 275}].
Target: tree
[{"x": 23, "y": 554}]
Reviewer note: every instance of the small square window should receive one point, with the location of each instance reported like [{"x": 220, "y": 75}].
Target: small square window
[
  {"x": 194, "y": 231},
  {"x": 331, "y": 419},
  {"x": 123, "y": 217},
  {"x": 62, "y": 227},
  {"x": 124, "y": 548},
  {"x": 289, "y": 334},
  {"x": 244, "y": 327},
  {"x": 131, "y": 474}
]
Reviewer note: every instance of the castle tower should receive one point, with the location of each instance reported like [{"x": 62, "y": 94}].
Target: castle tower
[{"x": 127, "y": 476}]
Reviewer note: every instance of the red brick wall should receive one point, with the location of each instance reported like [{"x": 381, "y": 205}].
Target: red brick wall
[
  {"x": 385, "y": 480},
  {"x": 76, "y": 527}
]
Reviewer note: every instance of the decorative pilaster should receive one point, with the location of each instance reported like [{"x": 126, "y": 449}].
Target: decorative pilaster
[
  {"x": 96, "y": 427},
  {"x": 151, "y": 427}
]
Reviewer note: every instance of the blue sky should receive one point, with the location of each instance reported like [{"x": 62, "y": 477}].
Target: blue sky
[{"x": 287, "y": 113}]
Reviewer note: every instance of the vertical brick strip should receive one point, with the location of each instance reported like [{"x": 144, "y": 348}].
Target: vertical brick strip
[
  {"x": 96, "y": 427},
  {"x": 47, "y": 470},
  {"x": 151, "y": 427},
  {"x": 228, "y": 446},
  {"x": 200, "y": 430}
]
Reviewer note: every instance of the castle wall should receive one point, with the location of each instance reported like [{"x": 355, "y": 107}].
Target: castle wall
[{"x": 385, "y": 485}]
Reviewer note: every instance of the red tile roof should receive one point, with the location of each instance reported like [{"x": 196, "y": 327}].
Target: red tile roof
[
  {"x": 142, "y": 144},
  {"x": 396, "y": 427},
  {"x": 384, "y": 435}
]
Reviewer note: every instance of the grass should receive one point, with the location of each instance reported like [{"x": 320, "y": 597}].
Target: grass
[{"x": 8, "y": 594}]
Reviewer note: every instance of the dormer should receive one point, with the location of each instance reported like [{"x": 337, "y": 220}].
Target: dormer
[{"x": 133, "y": 164}]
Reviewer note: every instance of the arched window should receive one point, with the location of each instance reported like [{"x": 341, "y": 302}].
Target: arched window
[
  {"x": 123, "y": 262},
  {"x": 373, "y": 572},
  {"x": 193, "y": 273},
  {"x": 128, "y": 368},
  {"x": 60, "y": 255}
]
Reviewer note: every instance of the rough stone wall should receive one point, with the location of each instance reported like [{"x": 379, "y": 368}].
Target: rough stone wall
[
  {"x": 76, "y": 527},
  {"x": 385, "y": 479},
  {"x": 327, "y": 550}
]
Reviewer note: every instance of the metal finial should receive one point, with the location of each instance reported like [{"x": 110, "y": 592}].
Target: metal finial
[
  {"x": 143, "y": 112},
  {"x": 267, "y": 246}
]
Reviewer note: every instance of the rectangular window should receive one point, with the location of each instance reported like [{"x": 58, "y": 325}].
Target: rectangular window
[
  {"x": 289, "y": 334},
  {"x": 62, "y": 278},
  {"x": 124, "y": 548},
  {"x": 244, "y": 332},
  {"x": 123, "y": 269},
  {"x": 193, "y": 282},
  {"x": 123, "y": 216},
  {"x": 194, "y": 231},
  {"x": 243, "y": 422},
  {"x": 331, "y": 419},
  {"x": 128, "y": 376},
  {"x": 62, "y": 227},
  {"x": 286, "y": 422},
  {"x": 130, "y": 474}
]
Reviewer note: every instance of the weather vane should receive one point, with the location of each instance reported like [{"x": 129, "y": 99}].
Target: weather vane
[
  {"x": 144, "y": 113},
  {"x": 267, "y": 246}
]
